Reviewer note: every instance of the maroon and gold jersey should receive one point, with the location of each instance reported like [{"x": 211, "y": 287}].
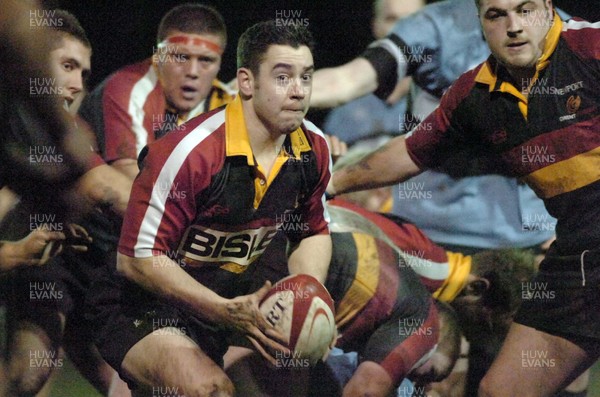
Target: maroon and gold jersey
[
  {"x": 549, "y": 138},
  {"x": 382, "y": 308},
  {"x": 202, "y": 199}
]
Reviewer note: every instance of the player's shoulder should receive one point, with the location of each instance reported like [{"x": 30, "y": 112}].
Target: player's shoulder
[
  {"x": 450, "y": 9},
  {"x": 209, "y": 121},
  {"x": 582, "y": 37},
  {"x": 463, "y": 86},
  {"x": 128, "y": 76},
  {"x": 311, "y": 129},
  {"x": 201, "y": 139},
  {"x": 315, "y": 136}
]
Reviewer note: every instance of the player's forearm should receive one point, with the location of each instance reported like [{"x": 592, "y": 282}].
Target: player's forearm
[
  {"x": 8, "y": 199},
  {"x": 128, "y": 167},
  {"x": 311, "y": 256},
  {"x": 11, "y": 255},
  {"x": 106, "y": 187},
  {"x": 387, "y": 165},
  {"x": 163, "y": 277},
  {"x": 336, "y": 86}
]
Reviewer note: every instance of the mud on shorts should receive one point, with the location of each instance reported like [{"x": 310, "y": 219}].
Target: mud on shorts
[
  {"x": 122, "y": 314},
  {"x": 563, "y": 299}
]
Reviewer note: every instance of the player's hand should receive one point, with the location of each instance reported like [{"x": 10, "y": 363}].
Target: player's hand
[
  {"x": 77, "y": 238},
  {"x": 243, "y": 315},
  {"x": 400, "y": 91},
  {"x": 38, "y": 247}
]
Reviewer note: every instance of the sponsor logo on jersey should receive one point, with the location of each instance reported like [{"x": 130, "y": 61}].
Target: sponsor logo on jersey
[{"x": 241, "y": 247}]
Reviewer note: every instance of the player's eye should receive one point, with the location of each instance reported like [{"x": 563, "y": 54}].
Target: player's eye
[
  {"x": 307, "y": 77},
  {"x": 207, "y": 60},
  {"x": 68, "y": 66},
  {"x": 526, "y": 11},
  {"x": 493, "y": 15},
  {"x": 283, "y": 79}
]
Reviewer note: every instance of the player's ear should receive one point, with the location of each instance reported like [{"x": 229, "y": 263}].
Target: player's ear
[
  {"x": 477, "y": 288},
  {"x": 245, "y": 81}
]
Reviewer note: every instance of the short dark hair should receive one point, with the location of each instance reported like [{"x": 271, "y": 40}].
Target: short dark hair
[
  {"x": 506, "y": 270},
  {"x": 486, "y": 313},
  {"x": 192, "y": 18},
  {"x": 255, "y": 41},
  {"x": 66, "y": 25}
]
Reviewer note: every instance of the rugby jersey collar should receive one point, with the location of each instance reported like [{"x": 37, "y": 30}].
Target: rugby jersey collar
[
  {"x": 238, "y": 142},
  {"x": 489, "y": 72}
]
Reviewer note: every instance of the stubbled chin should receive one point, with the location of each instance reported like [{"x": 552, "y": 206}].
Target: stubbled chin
[
  {"x": 289, "y": 128},
  {"x": 520, "y": 62},
  {"x": 186, "y": 105}
]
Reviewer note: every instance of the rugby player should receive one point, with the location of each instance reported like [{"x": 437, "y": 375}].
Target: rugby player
[
  {"x": 41, "y": 324},
  {"x": 379, "y": 269},
  {"x": 195, "y": 64},
  {"x": 535, "y": 89},
  {"x": 207, "y": 202},
  {"x": 27, "y": 49},
  {"x": 141, "y": 102}
]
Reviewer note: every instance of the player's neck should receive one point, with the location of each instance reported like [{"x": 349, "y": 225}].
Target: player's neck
[
  {"x": 265, "y": 142},
  {"x": 522, "y": 78}
]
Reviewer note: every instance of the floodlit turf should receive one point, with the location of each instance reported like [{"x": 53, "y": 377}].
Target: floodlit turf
[{"x": 69, "y": 383}]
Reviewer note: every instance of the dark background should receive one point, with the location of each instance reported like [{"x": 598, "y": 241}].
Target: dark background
[{"x": 123, "y": 32}]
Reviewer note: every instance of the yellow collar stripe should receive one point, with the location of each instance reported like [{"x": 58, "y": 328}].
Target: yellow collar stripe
[
  {"x": 236, "y": 134},
  {"x": 459, "y": 269},
  {"x": 238, "y": 142}
]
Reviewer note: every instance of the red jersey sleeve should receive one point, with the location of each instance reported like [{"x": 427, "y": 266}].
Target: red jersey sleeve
[{"x": 118, "y": 135}]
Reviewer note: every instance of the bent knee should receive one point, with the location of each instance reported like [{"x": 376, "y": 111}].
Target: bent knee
[
  {"x": 28, "y": 382},
  {"x": 370, "y": 379},
  {"x": 220, "y": 386},
  {"x": 485, "y": 387}
]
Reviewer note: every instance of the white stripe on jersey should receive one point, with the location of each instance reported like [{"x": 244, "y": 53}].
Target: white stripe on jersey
[
  {"x": 138, "y": 98},
  {"x": 156, "y": 207},
  {"x": 396, "y": 52},
  {"x": 578, "y": 25}
]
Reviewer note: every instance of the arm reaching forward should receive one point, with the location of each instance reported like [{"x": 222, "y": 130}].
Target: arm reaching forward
[
  {"x": 387, "y": 165},
  {"x": 336, "y": 86}
]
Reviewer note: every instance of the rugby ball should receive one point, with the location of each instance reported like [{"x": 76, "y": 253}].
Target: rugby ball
[{"x": 302, "y": 310}]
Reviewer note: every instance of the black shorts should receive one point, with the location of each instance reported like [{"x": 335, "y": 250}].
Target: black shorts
[
  {"x": 62, "y": 283},
  {"x": 122, "y": 314},
  {"x": 563, "y": 299},
  {"x": 37, "y": 294}
]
